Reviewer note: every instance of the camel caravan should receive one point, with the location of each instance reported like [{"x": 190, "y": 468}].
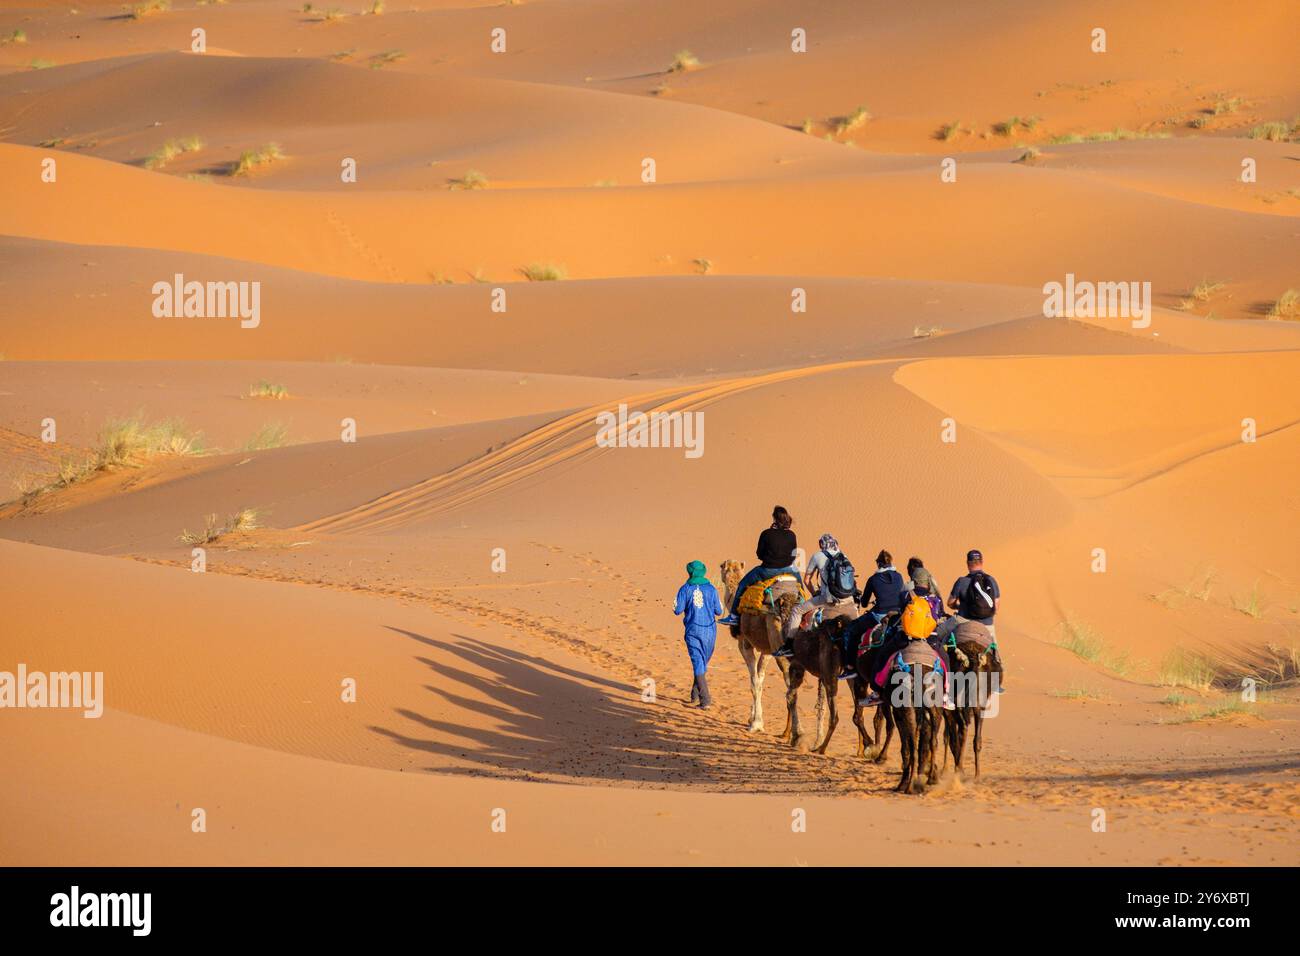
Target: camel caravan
[{"x": 918, "y": 664}]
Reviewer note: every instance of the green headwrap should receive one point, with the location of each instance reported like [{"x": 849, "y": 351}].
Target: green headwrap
[{"x": 695, "y": 573}]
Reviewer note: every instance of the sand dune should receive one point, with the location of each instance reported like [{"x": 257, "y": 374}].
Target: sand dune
[
  {"x": 362, "y": 236},
  {"x": 798, "y": 275}
]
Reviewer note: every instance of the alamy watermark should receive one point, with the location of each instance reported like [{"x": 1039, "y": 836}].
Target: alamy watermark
[
  {"x": 208, "y": 300},
  {"x": 82, "y": 690},
  {"x": 623, "y": 429},
  {"x": 1098, "y": 300}
]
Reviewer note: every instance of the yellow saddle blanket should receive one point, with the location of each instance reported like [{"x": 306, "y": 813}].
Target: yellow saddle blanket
[{"x": 754, "y": 600}]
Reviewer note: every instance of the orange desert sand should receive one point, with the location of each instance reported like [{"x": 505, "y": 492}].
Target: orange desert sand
[{"x": 522, "y": 691}]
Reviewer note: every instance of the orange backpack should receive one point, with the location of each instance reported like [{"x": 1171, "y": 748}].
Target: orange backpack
[{"x": 918, "y": 619}]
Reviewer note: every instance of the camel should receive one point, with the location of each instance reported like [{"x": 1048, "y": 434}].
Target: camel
[
  {"x": 758, "y": 635},
  {"x": 914, "y": 696},
  {"x": 817, "y": 652},
  {"x": 973, "y": 681},
  {"x": 861, "y": 687}
]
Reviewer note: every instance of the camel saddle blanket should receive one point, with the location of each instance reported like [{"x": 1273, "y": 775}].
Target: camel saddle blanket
[
  {"x": 915, "y": 652},
  {"x": 973, "y": 632},
  {"x": 755, "y": 599}
]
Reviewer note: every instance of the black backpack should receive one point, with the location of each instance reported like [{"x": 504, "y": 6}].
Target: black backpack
[
  {"x": 840, "y": 577},
  {"x": 979, "y": 606}
]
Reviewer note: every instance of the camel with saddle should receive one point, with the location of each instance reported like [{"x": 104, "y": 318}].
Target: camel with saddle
[{"x": 760, "y": 634}]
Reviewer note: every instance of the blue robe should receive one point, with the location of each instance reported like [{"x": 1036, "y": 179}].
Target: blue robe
[{"x": 700, "y": 606}]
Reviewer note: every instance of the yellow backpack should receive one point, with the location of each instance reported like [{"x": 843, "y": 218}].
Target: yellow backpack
[{"x": 918, "y": 619}]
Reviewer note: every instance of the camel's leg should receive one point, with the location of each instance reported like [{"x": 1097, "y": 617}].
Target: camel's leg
[
  {"x": 923, "y": 754},
  {"x": 957, "y": 739},
  {"x": 933, "y": 734},
  {"x": 978, "y": 743},
  {"x": 859, "y": 717},
  {"x": 947, "y": 738},
  {"x": 760, "y": 678},
  {"x": 754, "y": 663},
  {"x": 819, "y": 733},
  {"x": 829, "y": 689},
  {"x": 791, "y": 732},
  {"x": 905, "y": 717},
  {"x": 884, "y": 712},
  {"x": 793, "y": 681}
]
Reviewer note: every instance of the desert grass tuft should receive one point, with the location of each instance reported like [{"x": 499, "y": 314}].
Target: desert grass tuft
[
  {"x": 1109, "y": 136},
  {"x": 267, "y": 389},
  {"x": 1079, "y": 693},
  {"x": 925, "y": 331},
  {"x": 1287, "y": 306},
  {"x": 251, "y": 159},
  {"x": 246, "y": 519},
  {"x": 544, "y": 272},
  {"x": 1225, "y": 708},
  {"x": 1184, "y": 668},
  {"x": 380, "y": 60},
  {"x": 41, "y": 63},
  {"x": 150, "y": 7},
  {"x": 1206, "y": 288},
  {"x": 17, "y": 37},
  {"x": 703, "y": 266},
  {"x": 169, "y": 150},
  {"x": 1278, "y": 131},
  {"x": 1252, "y": 605},
  {"x": 1081, "y": 640},
  {"x": 854, "y": 120},
  {"x": 683, "y": 61},
  {"x": 270, "y": 435},
  {"x": 949, "y": 131},
  {"x": 125, "y": 443},
  {"x": 472, "y": 179}
]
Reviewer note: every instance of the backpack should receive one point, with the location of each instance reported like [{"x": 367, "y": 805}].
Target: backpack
[
  {"x": 918, "y": 619},
  {"x": 979, "y": 597},
  {"x": 840, "y": 577}
]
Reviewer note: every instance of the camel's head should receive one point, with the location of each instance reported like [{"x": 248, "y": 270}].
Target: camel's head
[
  {"x": 731, "y": 572},
  {"x": 785, "y": 605}
]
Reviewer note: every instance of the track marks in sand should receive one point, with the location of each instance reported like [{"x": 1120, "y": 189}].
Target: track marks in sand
[
  {"x": 367, "y": 253},
  {"x": 541, "y": 450}
]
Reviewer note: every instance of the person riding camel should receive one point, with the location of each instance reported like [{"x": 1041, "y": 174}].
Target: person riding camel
[
  {"x": 886, "y": 592},
  {"x": 831, "y": 580},
  {"x": 776, "y": 548},
  {"x": 921, "y": 581},
  {"x": 975, "y": 597}
]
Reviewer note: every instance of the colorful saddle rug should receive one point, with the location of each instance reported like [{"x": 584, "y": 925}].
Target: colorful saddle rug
[{"x": 759, "y": 597}]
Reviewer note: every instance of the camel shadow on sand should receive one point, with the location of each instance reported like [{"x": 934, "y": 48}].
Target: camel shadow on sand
[{"x": 547, "y": 721}]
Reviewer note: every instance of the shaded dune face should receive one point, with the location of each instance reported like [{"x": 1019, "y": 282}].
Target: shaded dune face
[{"x": 835, "y": 263}]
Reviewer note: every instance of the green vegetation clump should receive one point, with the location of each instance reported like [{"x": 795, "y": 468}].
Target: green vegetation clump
[
  {"x": 1287, "y": 306},
  {"x": 851, "y": 122},
  {"x": 472, "y": 179},
  {"x": 544, "y": 272},
  {"x": 683, "y": 61},
  {"x": 251, "y": 159},
  {"x": 124, "y": 443},
  {"x": 246, "y": 519}
]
